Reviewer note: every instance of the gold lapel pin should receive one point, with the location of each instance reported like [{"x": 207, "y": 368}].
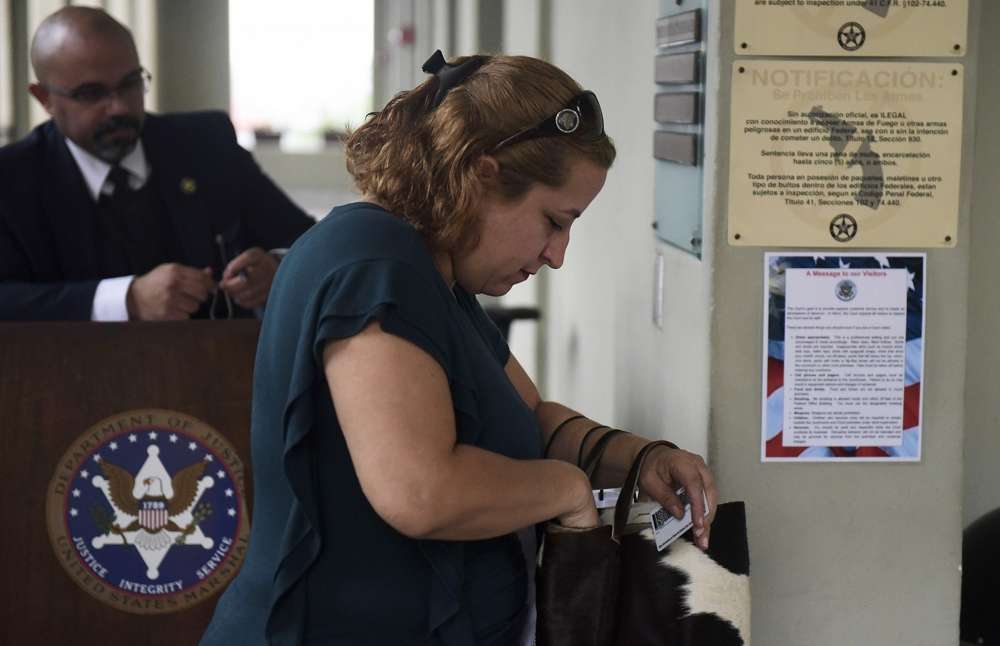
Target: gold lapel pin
[{"x": 188, "y": 185}]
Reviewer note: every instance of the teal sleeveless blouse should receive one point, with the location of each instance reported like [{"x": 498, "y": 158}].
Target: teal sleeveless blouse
[{"x": 322, "y": 566}]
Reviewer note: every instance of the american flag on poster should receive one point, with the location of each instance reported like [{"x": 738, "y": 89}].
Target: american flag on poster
[{"x": 772, "y": 446}]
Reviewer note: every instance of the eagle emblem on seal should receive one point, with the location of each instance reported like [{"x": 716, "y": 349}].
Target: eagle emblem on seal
[{"x": 152, "y": 510}]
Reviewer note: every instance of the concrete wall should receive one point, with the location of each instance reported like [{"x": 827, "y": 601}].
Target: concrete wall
[
  {"x": 841, "y": 554},
  {"x": 193, "y": 55},
  {"x": 848, "y": 554},
  {"x": 982, "y": 408},
  {"x": 604, "y": 354},
  {"x": 854, "y": 553},
  {"x": 524, "y": 33}
]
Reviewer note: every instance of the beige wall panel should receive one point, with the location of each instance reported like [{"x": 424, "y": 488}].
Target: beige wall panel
[
  {"x": 845, "y": 154},
  {"x": 832, "y": 28},
  {"x": 845, "y": 554}
]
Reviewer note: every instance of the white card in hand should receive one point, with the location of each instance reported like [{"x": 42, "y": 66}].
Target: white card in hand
[{"x": 666, "y": 528}]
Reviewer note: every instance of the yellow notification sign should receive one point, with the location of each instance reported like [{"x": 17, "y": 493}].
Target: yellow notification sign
[
  {"x": 927, "y": 28},
  {"x": 845, "y": 154}
]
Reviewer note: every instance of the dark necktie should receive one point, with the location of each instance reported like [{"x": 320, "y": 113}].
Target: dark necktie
[
  {"x": 129, "y": 221},
  {"x": 119, "y": 179},
  {"x": 112, "y": 204},
  {"x": 118, "y": 198}
]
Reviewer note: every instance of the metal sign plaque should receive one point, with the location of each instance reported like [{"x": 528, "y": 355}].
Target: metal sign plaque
[
  {"x": 680, "y": 147},
  {"x": 929, "y": 28},
  {"x": 678, "y": 29},
  {"x": 677, "y": 68},
  {"x": 843, "y": 154},
  {"x": 676, "y": 107}
]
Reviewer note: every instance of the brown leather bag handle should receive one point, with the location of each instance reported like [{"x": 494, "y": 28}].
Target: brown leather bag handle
[
  {"x": 593, "y": 459},
  {"x": 556, "y": 430},
  {"x": 630, "y": 487}
]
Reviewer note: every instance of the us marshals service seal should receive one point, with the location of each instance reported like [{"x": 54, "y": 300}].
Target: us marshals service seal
[
  {"x": 846, "y": 290},
  {"x": 146, "y": 511}
]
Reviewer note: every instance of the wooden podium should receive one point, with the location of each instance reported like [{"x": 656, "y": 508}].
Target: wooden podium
[{"x": 57, "y": 380}]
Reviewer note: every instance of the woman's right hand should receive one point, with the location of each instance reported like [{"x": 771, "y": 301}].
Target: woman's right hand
[{"x": 584, "y": 513}]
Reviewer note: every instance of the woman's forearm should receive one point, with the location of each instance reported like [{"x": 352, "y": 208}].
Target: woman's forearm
[
  {"x": 566, "y": 445},
  {"x": 476, "y": 494}
]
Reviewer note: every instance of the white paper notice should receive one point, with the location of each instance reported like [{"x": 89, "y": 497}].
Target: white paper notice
[{"x": 844, "y": 357}]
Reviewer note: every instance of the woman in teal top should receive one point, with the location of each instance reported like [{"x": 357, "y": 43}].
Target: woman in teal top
[{"x": 397, "y": 445}]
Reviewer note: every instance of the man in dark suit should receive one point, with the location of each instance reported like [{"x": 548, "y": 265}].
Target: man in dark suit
[{"x": 109, "y": 213}]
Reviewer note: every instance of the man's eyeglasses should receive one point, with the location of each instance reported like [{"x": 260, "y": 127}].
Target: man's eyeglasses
[
  {"x": 134, "y": 84},
  {"x": 582, "y": 116}
]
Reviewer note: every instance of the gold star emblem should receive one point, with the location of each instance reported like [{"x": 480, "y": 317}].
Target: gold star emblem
[{"x": 188, "y": 185}]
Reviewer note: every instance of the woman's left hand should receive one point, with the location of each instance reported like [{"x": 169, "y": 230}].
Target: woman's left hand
[{"x": 665, "y": 471}]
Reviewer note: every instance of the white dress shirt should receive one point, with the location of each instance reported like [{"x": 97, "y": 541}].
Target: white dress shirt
[{"x": 109, "y": 299}]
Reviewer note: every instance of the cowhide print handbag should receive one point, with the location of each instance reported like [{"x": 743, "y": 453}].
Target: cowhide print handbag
[{"x": 609, "y": 586}]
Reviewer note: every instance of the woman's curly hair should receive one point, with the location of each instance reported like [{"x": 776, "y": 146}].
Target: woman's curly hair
[{"x": 422, "y": 164}]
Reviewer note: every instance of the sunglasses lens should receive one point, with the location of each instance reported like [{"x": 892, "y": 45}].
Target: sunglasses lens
[
  {"x": 593, "y": 116},
  {"x": 567, "y": 120}
]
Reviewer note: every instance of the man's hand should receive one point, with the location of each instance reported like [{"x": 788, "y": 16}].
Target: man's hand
[
  {"x": 170, "y": 292},
  {"x": 247, "y": 278}
]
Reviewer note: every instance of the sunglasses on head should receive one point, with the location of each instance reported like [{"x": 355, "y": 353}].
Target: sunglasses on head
[{"x": 581, "y": 116}]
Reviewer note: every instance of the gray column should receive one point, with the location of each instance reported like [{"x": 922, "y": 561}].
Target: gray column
[{"x": 193, "y": 54}]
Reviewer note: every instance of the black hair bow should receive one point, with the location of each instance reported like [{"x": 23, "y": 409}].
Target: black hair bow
[{"x": 449, "y": 75}]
